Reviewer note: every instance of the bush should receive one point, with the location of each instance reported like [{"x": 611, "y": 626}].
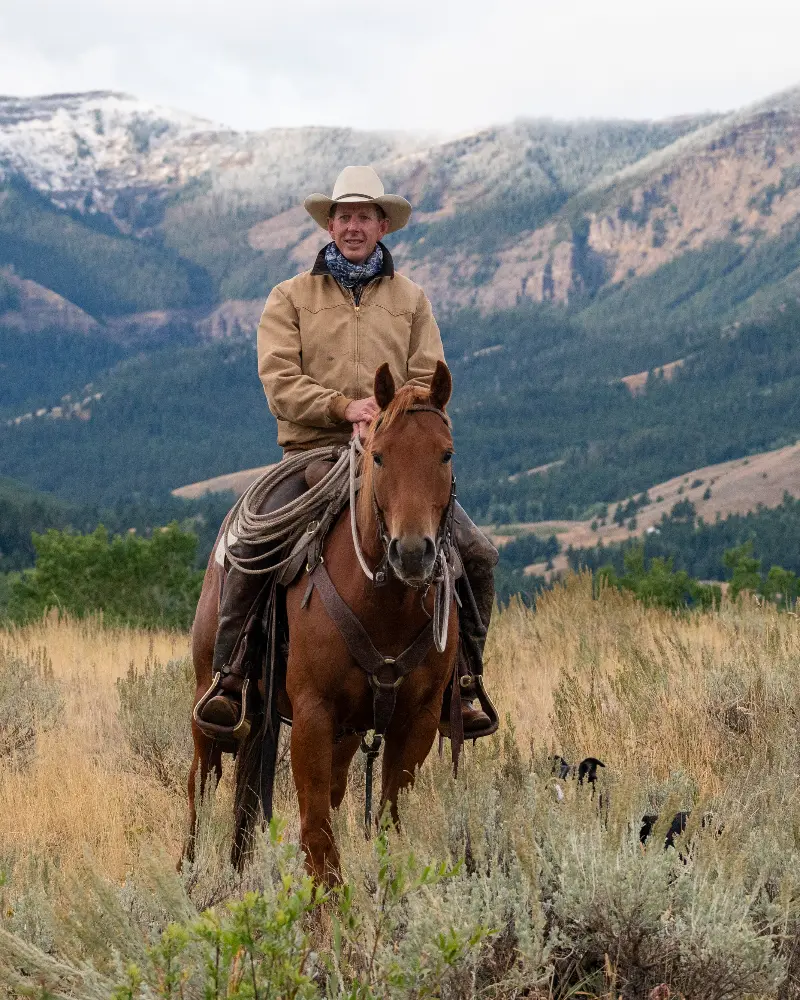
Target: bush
[
  {"x": 155, "y": 711},
  {"x": 263, "y": 944},
  {"x": 132, "y": 580},
  {"x": 30, "y": 703},
  {"x": 658, "y": 585}
]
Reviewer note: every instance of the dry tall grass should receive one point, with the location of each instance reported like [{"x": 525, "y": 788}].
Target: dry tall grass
[
  {"x": 79, "y": 796},
  {"x": 698, "y": 710}
]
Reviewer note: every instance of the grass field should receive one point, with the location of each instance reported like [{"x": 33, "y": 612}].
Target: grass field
[{"x": 551, "y": 898}]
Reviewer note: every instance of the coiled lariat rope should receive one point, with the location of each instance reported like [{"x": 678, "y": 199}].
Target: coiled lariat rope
[{"x": 283, "y": 528}]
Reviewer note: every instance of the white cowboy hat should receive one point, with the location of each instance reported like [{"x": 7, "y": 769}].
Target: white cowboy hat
[{"x": 356, "y": 184}]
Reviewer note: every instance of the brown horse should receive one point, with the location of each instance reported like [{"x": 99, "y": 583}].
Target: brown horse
[{"x": 404, "y": 500}]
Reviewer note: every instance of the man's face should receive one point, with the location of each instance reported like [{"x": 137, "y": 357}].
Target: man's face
[{"x": 356, "y": 228}]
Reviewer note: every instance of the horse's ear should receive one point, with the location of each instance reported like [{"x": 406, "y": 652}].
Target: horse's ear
[
  {"x": 441, "y": 386},
  {"x": 384, "y": 386}
]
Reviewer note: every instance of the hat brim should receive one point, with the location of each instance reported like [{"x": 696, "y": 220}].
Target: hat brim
[{"x": 397, "y": 209}]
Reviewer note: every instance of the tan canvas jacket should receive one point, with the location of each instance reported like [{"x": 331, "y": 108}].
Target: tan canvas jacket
[{"x": 318, "y": 350}]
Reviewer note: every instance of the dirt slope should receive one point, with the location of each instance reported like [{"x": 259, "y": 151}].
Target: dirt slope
[
  {"x": 736, "y": 487},
  {"x": 236, "y": 482}
]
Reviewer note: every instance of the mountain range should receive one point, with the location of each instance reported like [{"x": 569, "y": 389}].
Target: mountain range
[{"x": 137, "y": 246}]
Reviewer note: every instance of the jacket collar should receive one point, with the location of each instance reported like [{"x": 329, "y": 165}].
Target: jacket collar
[{"x": 386, "y": 271}]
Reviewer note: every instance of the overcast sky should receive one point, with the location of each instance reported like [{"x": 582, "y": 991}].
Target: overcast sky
[{"x": 423, "y": 64}]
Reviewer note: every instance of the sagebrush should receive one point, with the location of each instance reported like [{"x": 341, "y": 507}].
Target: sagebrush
[{"x": 499, "y": 884}]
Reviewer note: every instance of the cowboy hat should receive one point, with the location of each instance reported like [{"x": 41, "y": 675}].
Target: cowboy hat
[{"x": 359, "y": 184}]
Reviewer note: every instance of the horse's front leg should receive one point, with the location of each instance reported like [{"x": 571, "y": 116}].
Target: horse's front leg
[
  {"x": 343, "y": 753},
  {"x": 408, "y": 743},
  {"x": 312, "y": 760}
]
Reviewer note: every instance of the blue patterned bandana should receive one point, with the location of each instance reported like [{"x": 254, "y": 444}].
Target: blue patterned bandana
[{"x": 349, "y": 275}]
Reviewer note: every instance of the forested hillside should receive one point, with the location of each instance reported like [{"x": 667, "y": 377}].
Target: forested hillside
[
  {"x": 548, "y": 391},
  {"x": 137, "y": 246},
  {"x": 24, "y": 511}
]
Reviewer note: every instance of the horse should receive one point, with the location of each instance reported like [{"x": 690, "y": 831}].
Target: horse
[{"x": 407, "y": 493}]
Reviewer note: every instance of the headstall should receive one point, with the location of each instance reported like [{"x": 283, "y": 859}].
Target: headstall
[{"x": 444, "y": 534}]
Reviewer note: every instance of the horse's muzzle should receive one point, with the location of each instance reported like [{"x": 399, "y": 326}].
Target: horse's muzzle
[{"x": 412, "y": 558}]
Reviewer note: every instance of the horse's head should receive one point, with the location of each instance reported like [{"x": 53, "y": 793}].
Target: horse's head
[{"x": 407, "y": 481}]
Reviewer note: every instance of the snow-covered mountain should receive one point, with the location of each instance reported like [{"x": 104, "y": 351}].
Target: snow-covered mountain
[
  {"x": 167, "y": 211},
  {"x": 86, "y": 151},
  {"x": 76, "y": 148}
]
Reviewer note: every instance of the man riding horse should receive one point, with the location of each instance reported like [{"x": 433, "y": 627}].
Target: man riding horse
[{"x": 321, "y": 338}]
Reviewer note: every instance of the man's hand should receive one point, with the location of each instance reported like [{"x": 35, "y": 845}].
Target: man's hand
[{"x": 361, "y": 413}]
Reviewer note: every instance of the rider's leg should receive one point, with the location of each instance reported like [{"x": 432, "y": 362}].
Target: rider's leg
[
  {"x": 240, "y": 593},
  {"x": 479, "y": 557}
]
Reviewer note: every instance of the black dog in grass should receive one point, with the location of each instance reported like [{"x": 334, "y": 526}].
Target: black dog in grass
[
  {"x": 587, "y": 771},
  {"x": 676, "y": 828}
]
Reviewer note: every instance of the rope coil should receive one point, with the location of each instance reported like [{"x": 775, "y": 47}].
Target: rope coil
[{"x": 281, "y": 529}]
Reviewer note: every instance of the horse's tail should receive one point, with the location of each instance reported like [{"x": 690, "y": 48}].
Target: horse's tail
[{"x": 256, "y": 760}]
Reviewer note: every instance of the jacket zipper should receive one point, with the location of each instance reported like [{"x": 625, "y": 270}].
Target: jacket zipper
[{"x": 356, "y": 350}]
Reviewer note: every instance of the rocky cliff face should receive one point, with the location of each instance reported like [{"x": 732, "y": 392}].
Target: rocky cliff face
[
  {"x": 743, "y": 185},
  {"x": 736, "y": 179}
]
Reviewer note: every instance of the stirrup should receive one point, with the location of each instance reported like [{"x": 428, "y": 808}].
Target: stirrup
[
  {"x": 473, "y": 685},
  {"x": 240, "y": 730},
  {"x": 488, "y": 707}
]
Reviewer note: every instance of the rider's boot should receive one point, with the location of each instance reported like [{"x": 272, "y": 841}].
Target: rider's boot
[
  {"x": 479, "y": 557},
  {"x": 223, "y": 711}
]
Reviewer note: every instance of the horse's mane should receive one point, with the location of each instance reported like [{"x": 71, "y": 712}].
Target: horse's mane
[{"x": 405, "y": 397}]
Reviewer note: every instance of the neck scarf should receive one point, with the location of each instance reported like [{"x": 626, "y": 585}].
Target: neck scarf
[{"x": 349, "y": 275}]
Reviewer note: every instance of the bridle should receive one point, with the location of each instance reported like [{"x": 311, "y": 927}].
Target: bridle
[{"x": 444, "y": 533}]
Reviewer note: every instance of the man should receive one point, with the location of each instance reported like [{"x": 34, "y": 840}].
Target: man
[{"x": 321, "y": 338}]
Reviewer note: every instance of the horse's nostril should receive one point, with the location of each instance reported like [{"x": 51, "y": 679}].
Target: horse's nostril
[{"x": 412, "y": 556}]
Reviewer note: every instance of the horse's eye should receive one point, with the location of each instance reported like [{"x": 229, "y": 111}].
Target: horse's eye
[
  {"x": 446, "y": 457},
  {"x": 377, "y": 459}
]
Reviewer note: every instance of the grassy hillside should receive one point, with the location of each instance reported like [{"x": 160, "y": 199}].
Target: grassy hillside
[{"x": 698, "y": 546}]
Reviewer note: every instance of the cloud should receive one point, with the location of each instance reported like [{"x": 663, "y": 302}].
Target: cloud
[{"x": 425, "y": 65}]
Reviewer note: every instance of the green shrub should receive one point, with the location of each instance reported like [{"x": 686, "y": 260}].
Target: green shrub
[
  {"x": 259, "y": 945},
  {"x": 658, "y": 585},
  {"x": 132, "y": 580}
]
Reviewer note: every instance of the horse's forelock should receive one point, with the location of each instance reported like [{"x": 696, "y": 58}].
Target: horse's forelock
[{"x": 404, "y": 399}]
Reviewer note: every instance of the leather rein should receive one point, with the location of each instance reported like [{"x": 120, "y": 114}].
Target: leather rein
[{"x": 387, "y": 673}]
